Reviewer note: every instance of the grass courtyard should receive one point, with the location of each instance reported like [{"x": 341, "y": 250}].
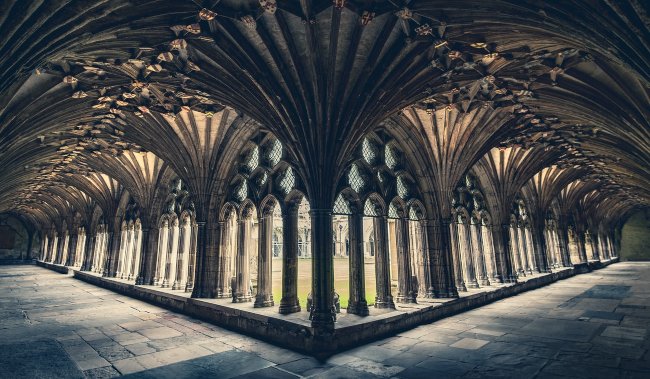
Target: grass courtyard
[{"x": 341, "y": 280}]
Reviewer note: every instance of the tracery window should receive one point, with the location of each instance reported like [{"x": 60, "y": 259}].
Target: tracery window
[
  {"x": 390, "y": 158},
  {"x": 368, "y": 151},
  {"x": 369, "y": 209},
  {"x": 242, "y": 191},
  {"x": 392, "y": 211},
  {"x": 253, "y": 159},
  {"x": 402, "y": 188},
  {"x": 341, "y": 206},
  {"x": 288, "y": 180},
  {"x": 354, "y": 178},
  {"x": 275, "y": 153}
]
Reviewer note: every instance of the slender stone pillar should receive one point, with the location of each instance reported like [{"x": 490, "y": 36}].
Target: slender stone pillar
[
  {"x": 289, "y": 302},
  {"x": 530, "y": 249},
  {"x": 142, "y": 257},
  {"x": 172, "y": 253},
  {"x": 477, "y": 242},
  {"x": 357, "y": 304},
  {"x": 191, "y": 266},
  {"x": 405, "y": 290},
  {"x": 516, "y": 256},
  {"x": 563, "y": 248},
  {"x": 523, "y": 250},
  {"x": 458, "y": 261},
  {"x": 161, "y": 254},
  {"x": 58, "y": 253},
  {"x": 54, "y": 248},
  {"x": 428, "y": 272},
  {"x": 384, "y": 298},
  {"x": 111, "y": 252},
  {"x": 180, "y": 260},
  {"x": 203, "y": 271},
  {"x": 86, "y": 264},
  {"x": 509, "y": 273},
  {"x": 323, "y": 312},
  {"x": 224, "y": 276},
  {"x": 264, "y": 297},
  {"x": 243, "y": 292},
  {"x": 468, "y": 253}
]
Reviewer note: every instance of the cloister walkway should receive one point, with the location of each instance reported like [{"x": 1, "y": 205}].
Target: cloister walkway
[{"x": 588, "y": 326}]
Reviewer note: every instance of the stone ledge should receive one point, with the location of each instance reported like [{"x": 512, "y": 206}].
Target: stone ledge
[
  {"x": 278, "y": 329},
  {"x": 54, "y": 267}
]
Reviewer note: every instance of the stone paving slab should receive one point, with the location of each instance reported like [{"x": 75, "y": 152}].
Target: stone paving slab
[{"x": 595, "y": 325}]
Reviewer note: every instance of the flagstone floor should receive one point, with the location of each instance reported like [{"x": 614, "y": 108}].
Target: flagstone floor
[{"x": 589, "y": 326}]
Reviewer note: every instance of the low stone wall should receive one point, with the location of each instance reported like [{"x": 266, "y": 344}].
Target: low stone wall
[
  {"x": 305, "y": 338},
  {"x": 58, "y": 268}
]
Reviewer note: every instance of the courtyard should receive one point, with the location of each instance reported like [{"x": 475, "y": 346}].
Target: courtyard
[{"x": 593, "y": 325}]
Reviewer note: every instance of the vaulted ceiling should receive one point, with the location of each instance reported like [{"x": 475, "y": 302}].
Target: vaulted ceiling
[{"x": 138, "y": 91}]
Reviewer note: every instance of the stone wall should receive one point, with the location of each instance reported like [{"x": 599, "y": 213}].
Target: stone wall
[
  {"x": 14, "y": 241},
  {"x": 635, "y": 239}
]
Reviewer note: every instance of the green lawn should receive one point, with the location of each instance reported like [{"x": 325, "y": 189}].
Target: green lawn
[{"x": 341, "y": 280}]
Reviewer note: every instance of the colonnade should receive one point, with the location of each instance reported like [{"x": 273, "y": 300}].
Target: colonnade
[{"x": 400, "y": 246}]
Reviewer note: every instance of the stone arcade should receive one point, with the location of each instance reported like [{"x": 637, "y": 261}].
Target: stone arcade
[{"x": 317, "y": 172}]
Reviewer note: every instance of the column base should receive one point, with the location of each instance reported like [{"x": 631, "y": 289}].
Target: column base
[
  {"x": 289, "y": 306},
  {"x": 360, "y": 309},
  {"x": 139, "y": 281},
  {"x": 242, "y": 299},
  {"x": 460, "y": 287},
  {"x": 484, "y": 282},
  {"x": 323, "y": 320},
  {"x": 165, "y": 284},
  {"x": 177, "y": 286},
  {"x": 407, "y": 299},
  {"x": 189, "y": 288},
  {"x": 263, "y": 302},
  {"x": 473, "y": 284},
  {"x": 385, "y": 304},
  {"x": 219, "y": 294}
]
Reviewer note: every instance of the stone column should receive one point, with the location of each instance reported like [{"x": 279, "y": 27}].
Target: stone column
[
  {"x": 161, "y": 254},
  {"x": 111, "y": 252},
  {"x": 523, "y": 250},
  {"x": 122, "y": 252},
  {"x": 323, "y": 312},
  {"x": 264, "y": 297},
  {"x": 242, "y": 291},
  {"x": 224, "y": 276},
  {"x": 357, "y": 304},
  {"x": 530, "y": 248},
  {"x": 172, "y": 253},
  {"x": 458, "y": 261},
  {"x": 516, "y": 256},
  {"x": 489, "y": 254},
  {"x": 384, "y": 298},
  {"x": 477, "y": 242},
  {"x": 562, "y": 246},
  {"x": 509, "y": 273},
  {"x": 86, "y": 264},
  {"x": 203, "y": 272},
  {"x": 180, "y": 260},
  {"x": 56, "y": 254},
  {"x": 68, "y": 259},
  {"x": 69, "y": 253},
  {"x": 142, "y": 256},
  {"x": 55, "y": 245},
  {"x": 186, "y": 246},
  {"x": 191, "y": 267},
  {"x": 428, "y": 291},
  {"x": 468, "y": 253},
  {"x": 289, "y": 302},
  {"x": 405, "y": 290}
]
